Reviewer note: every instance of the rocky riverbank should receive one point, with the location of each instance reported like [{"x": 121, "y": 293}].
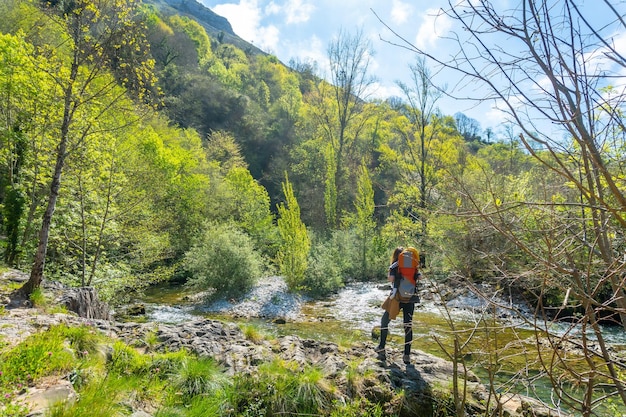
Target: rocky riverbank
[{"x": 423, "y": 383}]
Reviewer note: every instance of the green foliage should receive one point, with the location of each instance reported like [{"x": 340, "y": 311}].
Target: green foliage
[
  {"x": 324, "y": 273},
  {"x": 197, "y": 377},
  {"x": 330, "y": 187},
  {"x": 125, "y": 360},
  {"x": 359, "y": 407},
  {"x": 295, "y": 246},
  {"x": 252, "y": 332},
  {"x": 13, "y": 410},
  {"x": 196, "y": 33},
  {"x": 249, "y": 207},
  {"x": 282, "y": 387},
  {"x": 364, "y": 226},
  {"x": 223, "y": 259},
  {"x": 37, "y": 298},
  {"x": 42, "y": 354},
  {"x": 100, "y": 398}
]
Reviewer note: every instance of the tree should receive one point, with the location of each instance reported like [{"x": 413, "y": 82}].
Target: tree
[
  {"x": 24, "y": 107},
  {"x": 100, "y": 34},
  {"x": 363, "y": 220},
  {"x": 468, "y": 128},
  {"x": 294, "y": 250},
  {"x": 340, "y": 106},
  {"x": 423, "y": 116},
  {"x": 553, "y": 78}
]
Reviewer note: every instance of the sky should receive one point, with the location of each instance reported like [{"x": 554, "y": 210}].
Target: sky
[{"x": 303, "y": 30}]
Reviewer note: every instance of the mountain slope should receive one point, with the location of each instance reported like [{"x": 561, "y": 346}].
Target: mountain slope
[{"x": 216, "y": 26}]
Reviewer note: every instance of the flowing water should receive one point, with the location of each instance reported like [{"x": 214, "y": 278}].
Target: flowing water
[{"x": 353, "y": 313}]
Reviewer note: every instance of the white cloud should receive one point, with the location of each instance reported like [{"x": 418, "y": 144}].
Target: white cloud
[
  {"x": 400, "y": 12},
  {"x": 435, "y": 24},
  {"x": 384, "y": 91},
  {"x": 246, "y": 18},
  {"x": 298, "y": 11},
  {"x": 495, "y": 116},
  {"x": 311, "y": 49}
]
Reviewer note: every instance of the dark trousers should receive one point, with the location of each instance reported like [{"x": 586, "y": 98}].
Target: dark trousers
[{"x": 407, "y": 317}]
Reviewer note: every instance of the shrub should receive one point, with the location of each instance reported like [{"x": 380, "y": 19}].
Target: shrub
[
  {"x": 101, "y": 398},
  {"x": 127, "y": 361},
  {"x": 323, "y": 275},
  {"x": 224, "y": 259}
]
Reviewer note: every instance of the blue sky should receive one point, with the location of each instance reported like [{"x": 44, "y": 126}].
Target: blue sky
[{"x": 303, "y": 29}]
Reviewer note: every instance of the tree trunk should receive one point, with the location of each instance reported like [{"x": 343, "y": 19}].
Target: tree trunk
[
  {"x": 36, "y": 273},
  {"x": 84, "y": 302}
]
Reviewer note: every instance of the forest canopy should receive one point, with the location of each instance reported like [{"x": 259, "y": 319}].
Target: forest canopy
[{"x": 127, "y": 145}]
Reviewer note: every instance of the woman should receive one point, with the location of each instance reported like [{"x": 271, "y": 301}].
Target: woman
[{"x": 390, "y": 312}]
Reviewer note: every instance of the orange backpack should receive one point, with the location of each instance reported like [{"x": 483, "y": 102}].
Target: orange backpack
[{"x": 408, "y": 267}]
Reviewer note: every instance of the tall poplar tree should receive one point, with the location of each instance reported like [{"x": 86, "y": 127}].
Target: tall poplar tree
[{"x": 294, "y": 250}]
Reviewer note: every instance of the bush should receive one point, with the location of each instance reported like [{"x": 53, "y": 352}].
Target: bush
[
  {"x": 334, "y": 261},
  {"x": 283, "y": 388},
  {"x": 224, "y": 259},
  {"x": 323, "y": 275}
]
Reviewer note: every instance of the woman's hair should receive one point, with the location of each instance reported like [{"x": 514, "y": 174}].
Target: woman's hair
[{"x": 396, "y": 253}]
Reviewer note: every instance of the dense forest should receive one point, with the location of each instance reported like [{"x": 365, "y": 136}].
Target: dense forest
[
  {"x": 167, "y": 148},
  {"x": 137, "y": 147},
  {"x": 151, "y": 149}
]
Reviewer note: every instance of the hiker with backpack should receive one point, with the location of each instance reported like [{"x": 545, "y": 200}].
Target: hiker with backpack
[{"x": 403, "y": 275}]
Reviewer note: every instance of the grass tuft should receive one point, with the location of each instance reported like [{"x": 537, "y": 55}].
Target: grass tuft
[{"x": 197, "y": 377}]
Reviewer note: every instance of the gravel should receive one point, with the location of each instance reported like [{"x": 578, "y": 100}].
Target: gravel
[{"x": 268, "y": 299}]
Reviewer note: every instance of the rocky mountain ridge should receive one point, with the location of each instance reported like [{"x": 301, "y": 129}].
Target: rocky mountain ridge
[{"x": 218, "y": 27}]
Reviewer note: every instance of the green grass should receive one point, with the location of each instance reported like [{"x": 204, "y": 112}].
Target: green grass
[
  {"x": 252, "y": 332},
  {"x": 39, "y": 355},
  {"x": 358, "y": 408},
  {"x": 199, "y": 377},
  {"x": 43, "y": 302},
  {"x": 100, "y": 398},
  {"x": 112, "y": 379}
]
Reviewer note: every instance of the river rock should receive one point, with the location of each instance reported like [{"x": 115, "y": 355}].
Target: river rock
[{"x": 380, "y": 382}]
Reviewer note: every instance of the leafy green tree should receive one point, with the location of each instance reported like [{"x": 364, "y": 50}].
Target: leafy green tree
[
  {"x": 424, "y": 117},
  {"x": 223, "y": 259},
  {"x": 330, "y": 186},
  {"x": 294, "y": 250},
  {"x": 340, "y": 111},
  {"x": 95, "y": 31},
  {"x": 363, "y": 223},
  {"x": 310, "y": 175},
  {"x": 19, "y": 85},
  {"x": 249, "y": 207}
]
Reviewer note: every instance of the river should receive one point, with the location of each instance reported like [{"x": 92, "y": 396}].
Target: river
[{"x": 353, "y": 313}]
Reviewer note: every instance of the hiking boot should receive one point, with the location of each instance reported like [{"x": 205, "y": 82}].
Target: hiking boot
[
  {"x": 406, "y": 359},
  {"x": 381, "y": 355}
]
